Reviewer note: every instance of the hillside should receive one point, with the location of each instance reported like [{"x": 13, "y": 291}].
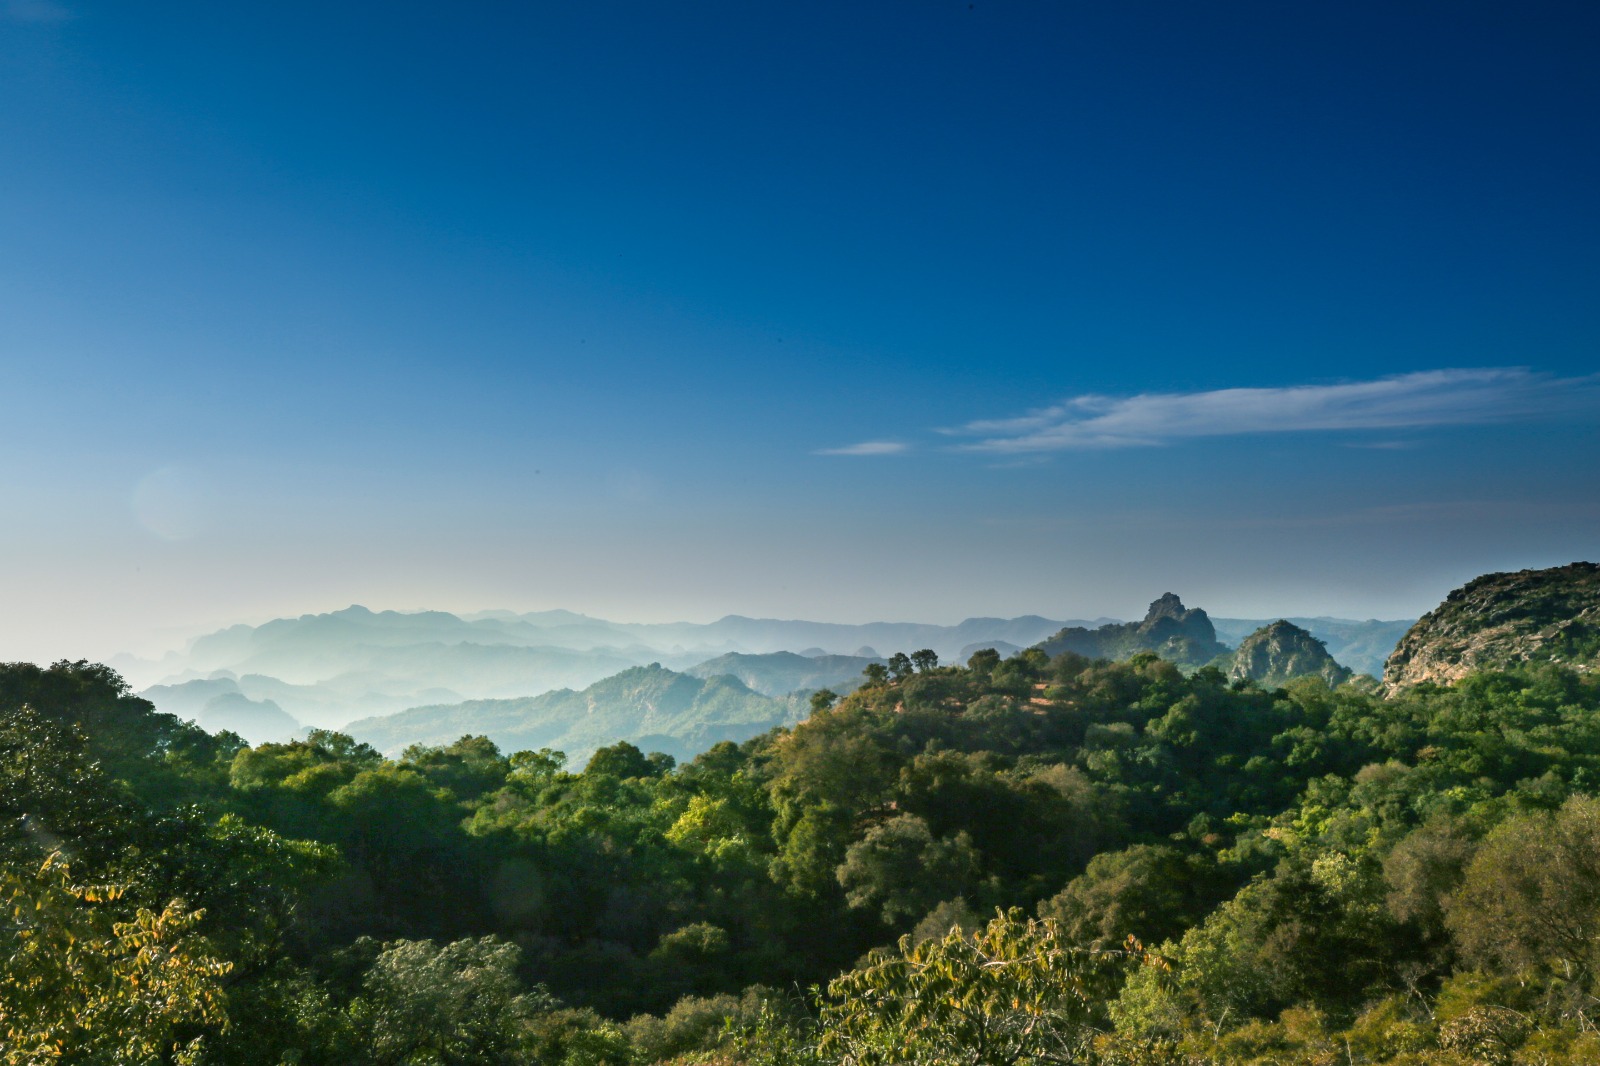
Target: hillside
[
  {"x": 328, "y": 685},
  {"x": 781, "y": 673},
  {"x": 1284, "y": 852},
  {"x": 1278, "y": 653},
  {"x": 1500, "y": 620},
  {"x": 219, "y": 704},
  {"x": 1176, "y": 633},
  {"x": 650, "y": 706}
]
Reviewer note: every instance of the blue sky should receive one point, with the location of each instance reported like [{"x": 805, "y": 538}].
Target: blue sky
[{"x": 843, "y": 311}]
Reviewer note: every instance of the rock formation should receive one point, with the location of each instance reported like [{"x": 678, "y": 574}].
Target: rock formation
[
  {"x": 1502, "y": 619},
  {"x": 1176, "y": 633},
  {"x": 1278, "y": 653}
]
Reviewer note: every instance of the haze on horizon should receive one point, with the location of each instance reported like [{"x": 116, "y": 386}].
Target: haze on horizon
[{"x": 838, "y": 312}]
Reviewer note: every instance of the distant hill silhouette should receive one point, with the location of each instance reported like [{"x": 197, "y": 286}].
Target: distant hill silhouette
[
  {"x": 650, "y": 706},
  {"x": 327, "y": 669},
  {"x": 780, "y": 673},
  {"x": 218, "y": 704}
]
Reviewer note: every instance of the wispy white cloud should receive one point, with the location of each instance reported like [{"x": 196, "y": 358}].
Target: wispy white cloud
[
  {"x": 869, "y": 447},
  {"x": 1383, "y": 445},
  {"x": 1404, "y": 401}
]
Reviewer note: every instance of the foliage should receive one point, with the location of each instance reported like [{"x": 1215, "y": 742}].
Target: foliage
[
  {"x": 82, "y": 985},
  {"x": 1332, "y": 876},
  {"x": 456, "y": 1005},
  {"x": 1012, "y": 992}
]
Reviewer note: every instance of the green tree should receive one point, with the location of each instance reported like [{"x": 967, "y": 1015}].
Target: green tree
[
  {"x": 1146, "y": 891},
  {"x": 456, "y": 1005},
  {"x": 900, "y": 665},
  {"x": 81, "y": 985},
  {"x": 1531, "y": 895},
  {"x": 983, "y": 661},
  {"x": 900, "y": 869},
  {"x": 1014, "y": 993},
  {"x": 622, "y": 761}
]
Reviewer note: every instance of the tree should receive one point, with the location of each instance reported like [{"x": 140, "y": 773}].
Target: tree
[
  {"x": 456, "y": 1005},
  {"x": 1146, "y": 890},
  {"x": 621, "y": 760},
  {"x": 983, "y": 661},
  {"x": 823, "y": 699},
  {"x": 1014, "y": 993},
  {"x": 900, "y": 665},
  {"x": 78, "y": 985},
  {"x": 1531, "y": 895},
  {"x": 470, "y": 768},
  {"x": 925, "y": 660},
  {"x": 875, "y": 673},
  {"x": 902, "y": 870}
]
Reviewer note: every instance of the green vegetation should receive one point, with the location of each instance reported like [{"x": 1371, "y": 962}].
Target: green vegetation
[{"x": 1031, "y": 860}]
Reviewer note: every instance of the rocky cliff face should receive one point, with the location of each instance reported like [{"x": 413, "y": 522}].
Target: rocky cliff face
[
  {"x": 1501, "y": 619},
  {"x": 1171, "y": 630},
  {"x": 1278, "y": 653}
]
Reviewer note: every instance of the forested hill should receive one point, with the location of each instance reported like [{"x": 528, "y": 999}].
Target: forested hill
[
  {"x": 955, "y": 857},
  {"x": 1313, "y": 873},
  {"x": 1361, "y": 646}
]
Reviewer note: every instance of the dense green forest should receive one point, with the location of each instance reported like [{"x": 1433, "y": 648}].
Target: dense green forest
[{"x": 1035, "y": 860}]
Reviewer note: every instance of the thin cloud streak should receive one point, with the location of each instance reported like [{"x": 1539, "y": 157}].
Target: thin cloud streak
[
  {"x": 1404, "y": 401},
  {"x": 868, "y": 447}
]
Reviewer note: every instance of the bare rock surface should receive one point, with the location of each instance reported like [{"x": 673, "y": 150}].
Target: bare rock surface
[{"x": 1500, "y": 620}]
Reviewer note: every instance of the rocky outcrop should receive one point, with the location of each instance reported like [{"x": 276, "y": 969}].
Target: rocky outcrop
[
  {"x": 1278, "y": 653},
  {"x": 1176, "y": 633},
  {"x": 1499, "y": 620}
]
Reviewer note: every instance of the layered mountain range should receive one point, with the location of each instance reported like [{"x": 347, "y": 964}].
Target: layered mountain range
[
  {"x": 326, "y": 670},
  {"x": 567, "y": 681},
  {"x": 651, "y": 707},
  {"x": 271, "y": 681}
]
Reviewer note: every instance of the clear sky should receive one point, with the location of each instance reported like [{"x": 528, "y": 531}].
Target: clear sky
[{"x": 848, "y": 311}]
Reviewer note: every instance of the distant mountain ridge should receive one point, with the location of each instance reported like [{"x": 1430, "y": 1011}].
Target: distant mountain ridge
[
  {"x": 781, "y": 673},
  {"x": 650, "y": 706},
  {"x": 219, "y": 704},
  {"x": 327, "y": 669},
  {"x": 1499, "y": 620}
]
